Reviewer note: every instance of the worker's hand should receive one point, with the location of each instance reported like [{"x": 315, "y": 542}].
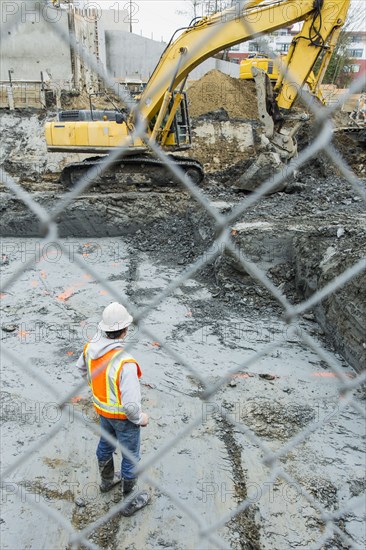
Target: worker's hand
[{"x": 145, "y": 420}]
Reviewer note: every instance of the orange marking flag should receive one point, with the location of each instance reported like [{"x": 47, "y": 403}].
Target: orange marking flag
[
  {"x": 65, "y": 295},
  {"x": 76, "y": 399},
  {"x": 324, "y": 374}
]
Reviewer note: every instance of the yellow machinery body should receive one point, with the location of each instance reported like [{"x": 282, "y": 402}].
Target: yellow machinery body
[
  {"x": 261, "y": 61},
  {"x": 93, "y": 136}
]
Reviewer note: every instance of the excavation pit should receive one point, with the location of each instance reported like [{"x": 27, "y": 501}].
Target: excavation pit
[{"x": 139, "y": 242}]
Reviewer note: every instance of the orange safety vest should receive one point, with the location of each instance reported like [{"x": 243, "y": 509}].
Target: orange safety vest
[{"x": 103, "y": 377}]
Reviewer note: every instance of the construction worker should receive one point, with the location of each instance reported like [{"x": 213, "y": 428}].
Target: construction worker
[{"x": 113, "y": 376}]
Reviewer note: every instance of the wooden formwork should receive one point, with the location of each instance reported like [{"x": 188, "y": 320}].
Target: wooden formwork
[{"x": 22, "y": 95}]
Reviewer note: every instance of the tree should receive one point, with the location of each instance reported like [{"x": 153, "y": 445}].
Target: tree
[
  {"x": 260, "y": 45},
  {"x": 339, "y": 70}
]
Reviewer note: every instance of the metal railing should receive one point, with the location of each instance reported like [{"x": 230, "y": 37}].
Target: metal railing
[{"x": 271, "y": 459}]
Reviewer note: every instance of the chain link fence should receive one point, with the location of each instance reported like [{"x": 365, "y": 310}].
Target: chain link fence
[{"x": 273, "y": 460}]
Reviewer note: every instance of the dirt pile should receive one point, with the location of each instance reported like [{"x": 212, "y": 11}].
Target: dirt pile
[{"x": 216, "y": 90}]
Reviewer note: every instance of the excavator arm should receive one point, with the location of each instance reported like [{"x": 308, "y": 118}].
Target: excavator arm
[{"x": 322, "y": 20}]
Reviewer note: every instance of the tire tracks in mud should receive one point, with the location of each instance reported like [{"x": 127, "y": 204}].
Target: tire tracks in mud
[{"x": 243, "y": 523}]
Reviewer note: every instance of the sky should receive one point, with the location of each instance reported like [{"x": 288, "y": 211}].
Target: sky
[
  {"x": 151, "y": 18},
  {"x": 158, "y": 19}
]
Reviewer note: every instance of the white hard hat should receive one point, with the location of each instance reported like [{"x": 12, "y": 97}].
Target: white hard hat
[{"x": 115, "y": 317}]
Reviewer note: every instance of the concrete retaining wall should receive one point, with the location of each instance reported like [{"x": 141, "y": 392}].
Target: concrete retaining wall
[
  {"x": 232, "y": 69},
  {"x": 32, "y": 46},
  {"x": 132, "y": 56}
]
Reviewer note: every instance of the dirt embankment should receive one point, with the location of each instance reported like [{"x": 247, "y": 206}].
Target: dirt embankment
[{"x": 319, "y": 259}]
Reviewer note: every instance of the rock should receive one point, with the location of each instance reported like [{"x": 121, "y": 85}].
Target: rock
[
  {"x": 9, "y": 328},
  {"x": 340, "y": 232},
  {"x": 309, "y": 316},
  {"x": 267, "y": 376},
  {"x": 295, "y": 187},
  {"x": 232, "y": 383}
]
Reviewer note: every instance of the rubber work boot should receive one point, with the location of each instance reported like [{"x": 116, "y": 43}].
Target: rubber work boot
[
  {"x": 106, "y": 470},
  {"x": 140, "y": 500},
  {"x": 128, "y": 485}
]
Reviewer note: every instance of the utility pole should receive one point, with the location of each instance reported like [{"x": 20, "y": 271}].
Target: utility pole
[{"x": 130, "y": 15}]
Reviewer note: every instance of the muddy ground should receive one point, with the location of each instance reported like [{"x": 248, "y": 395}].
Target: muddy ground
[
  {"x": 140, "y": 239},
  {"x": 302, "y": 238},
  {"x": 55, "y": 306}
]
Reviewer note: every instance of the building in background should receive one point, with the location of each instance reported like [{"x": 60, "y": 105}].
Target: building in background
[
  {"x": 356, "y": 50},
  {"x": 277, "y": 41}
]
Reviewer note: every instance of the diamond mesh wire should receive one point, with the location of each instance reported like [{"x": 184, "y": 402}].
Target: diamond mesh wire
[{"x": 206, "y": 530}]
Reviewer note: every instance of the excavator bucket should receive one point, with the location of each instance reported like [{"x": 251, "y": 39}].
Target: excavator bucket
[
  {"x": 265, "y": 167},
  {"x": 276, "y": 147}
]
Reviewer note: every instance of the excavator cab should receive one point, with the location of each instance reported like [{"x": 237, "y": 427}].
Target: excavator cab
[{"x": 261, "y": 61}]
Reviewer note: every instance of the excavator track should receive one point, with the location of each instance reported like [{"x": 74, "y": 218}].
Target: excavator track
[{"x": 139, "y": 170}]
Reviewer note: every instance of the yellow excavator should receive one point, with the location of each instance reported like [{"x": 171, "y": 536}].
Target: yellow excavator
[
  {"x": 163, "y": 104},
  {"x": 266, "y": 63}
]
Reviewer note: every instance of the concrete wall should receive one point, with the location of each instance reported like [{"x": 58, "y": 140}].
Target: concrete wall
[
  {"x": 232, "y": 69},
  {"x": 87, "y": 35},
  {"x": 133, "y": 56},
  {"x": 130, "y": 55},
  {"x": 113, "y": 20},
  {"x": 31, "y": 46}
]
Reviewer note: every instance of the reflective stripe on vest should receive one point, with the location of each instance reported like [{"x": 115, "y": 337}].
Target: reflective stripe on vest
[{"x": 104, "y": 377}]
